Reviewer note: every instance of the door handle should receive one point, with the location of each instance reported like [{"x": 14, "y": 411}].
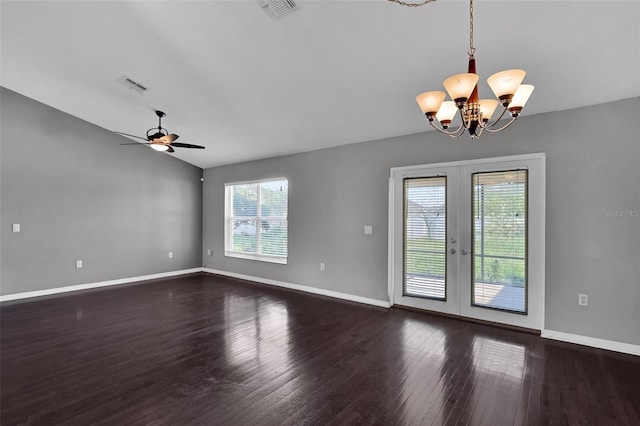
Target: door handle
[
  {"x": 452, "y": 251},
  {"x": 464, "y": 252}
]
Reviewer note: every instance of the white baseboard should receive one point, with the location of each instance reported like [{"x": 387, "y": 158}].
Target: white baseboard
[
  {"x": 610, "y": 345},
  {"x": 307, "y": 289},
  {"x": 50, "y": 291}
]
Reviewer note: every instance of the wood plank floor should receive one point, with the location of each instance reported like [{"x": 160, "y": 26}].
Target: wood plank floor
[{"x": 202, "y": 349}]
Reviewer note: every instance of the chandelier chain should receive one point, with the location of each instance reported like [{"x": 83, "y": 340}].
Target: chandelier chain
[
  {"x": 400, "y": 2},
  {"x": 472, "y": 50}
]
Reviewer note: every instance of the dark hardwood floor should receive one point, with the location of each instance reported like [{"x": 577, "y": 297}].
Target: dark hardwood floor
[{"x": 207, "y": 350}]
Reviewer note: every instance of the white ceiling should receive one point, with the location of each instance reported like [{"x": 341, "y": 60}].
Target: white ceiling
[{"x": 331, "y": 73}]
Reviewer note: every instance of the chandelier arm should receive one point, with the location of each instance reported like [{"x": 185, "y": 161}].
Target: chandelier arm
[
  {"x": 463, "y": 117},
  {"x": 503, "y": 127},
  {"x": 488, "y": 126},
  {"x": 458, "y": 132},
  {"x": 454, "y": 134}
]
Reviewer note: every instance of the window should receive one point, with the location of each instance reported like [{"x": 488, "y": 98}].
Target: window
[
  {"x": 425, "y": 234},
  {"x": 500, "y": 240},
  {"x": 256, "y": 224}
]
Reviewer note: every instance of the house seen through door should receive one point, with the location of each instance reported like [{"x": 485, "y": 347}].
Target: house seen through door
[{"x": 467, "y": 238}]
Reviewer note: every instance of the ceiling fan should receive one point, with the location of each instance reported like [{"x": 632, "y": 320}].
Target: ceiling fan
[{"x": 159, "y": 138}]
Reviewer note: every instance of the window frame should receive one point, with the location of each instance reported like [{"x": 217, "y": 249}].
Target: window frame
[{"x": 229, "y": 220}]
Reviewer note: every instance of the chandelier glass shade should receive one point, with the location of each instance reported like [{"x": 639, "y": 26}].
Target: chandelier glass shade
[{"x": 475, "y": 114}]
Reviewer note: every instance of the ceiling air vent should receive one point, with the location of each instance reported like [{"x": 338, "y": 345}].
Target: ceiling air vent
[
  {"x": 277, "y": 9},
  {"x": 132, "y": 84}
]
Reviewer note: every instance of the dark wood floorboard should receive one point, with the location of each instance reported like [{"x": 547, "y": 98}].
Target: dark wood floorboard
[{"x": 202, "y": 349}]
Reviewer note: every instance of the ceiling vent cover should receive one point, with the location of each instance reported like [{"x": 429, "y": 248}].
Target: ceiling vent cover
[
  {"x": 277, "y": 9},
  {"x": 132, "y": 84}
]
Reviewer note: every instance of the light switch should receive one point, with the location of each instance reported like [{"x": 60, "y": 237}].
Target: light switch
[
  {"x": 15, "y": 227},
  {"x": 368, "y": 229}
]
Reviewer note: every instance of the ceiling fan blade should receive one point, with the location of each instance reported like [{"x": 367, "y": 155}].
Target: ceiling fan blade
[
  {"x": 186, "y": 145},
  {"x": 131, "y": 136},
  {"x": 170, "y": 149}
]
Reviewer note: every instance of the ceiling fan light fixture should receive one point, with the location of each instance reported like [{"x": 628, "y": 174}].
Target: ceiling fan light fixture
[{"x": 159, "y": 146}]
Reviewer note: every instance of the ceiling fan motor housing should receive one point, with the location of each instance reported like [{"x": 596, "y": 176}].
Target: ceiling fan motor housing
[{"x": 158, "y": 135}]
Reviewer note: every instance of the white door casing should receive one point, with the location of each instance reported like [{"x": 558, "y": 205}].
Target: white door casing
[{"x": 458, "y": 269}]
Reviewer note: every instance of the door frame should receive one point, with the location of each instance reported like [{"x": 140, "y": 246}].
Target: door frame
[{"x": 536, "y": 246}]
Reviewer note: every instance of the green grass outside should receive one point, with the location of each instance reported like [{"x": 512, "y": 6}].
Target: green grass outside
[{"x": 425, "y": 256}]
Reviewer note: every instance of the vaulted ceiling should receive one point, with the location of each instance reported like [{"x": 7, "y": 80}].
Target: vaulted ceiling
[{"x": 331, "y": 73}]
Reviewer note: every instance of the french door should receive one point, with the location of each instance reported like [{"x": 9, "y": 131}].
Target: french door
[{"x": 467, "y": 238}]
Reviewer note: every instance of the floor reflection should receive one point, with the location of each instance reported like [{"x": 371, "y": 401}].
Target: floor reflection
[
  {"x": 499, "y": 358},
  {"x": 424, "y": 361},
  {"x": 458, "y": 376},
  {"x": 256, "y": 333}
]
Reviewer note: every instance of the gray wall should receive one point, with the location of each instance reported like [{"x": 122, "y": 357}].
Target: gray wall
[
  {"x": 78, "y": 194},
  {"x": 593, "y": 159}
]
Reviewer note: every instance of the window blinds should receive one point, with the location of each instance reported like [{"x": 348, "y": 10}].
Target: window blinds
[
  {"x": 499, "y": 241},
  {"x": 425, "y": 233}
]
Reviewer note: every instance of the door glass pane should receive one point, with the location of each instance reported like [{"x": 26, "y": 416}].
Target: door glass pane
[
  {"x": 425, "y": 233},
  {"x": 499, "y": 241}
]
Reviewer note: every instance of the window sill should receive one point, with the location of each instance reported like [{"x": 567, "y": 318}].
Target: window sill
[{"x": 258, "y": 257}]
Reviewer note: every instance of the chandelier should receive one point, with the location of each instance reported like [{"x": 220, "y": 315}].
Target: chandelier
[{"x": 475, "y": 114}]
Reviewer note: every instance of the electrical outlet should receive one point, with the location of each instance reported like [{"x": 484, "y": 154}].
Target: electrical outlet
[
  {"x": 78, "y": 264},
  {"x": 170, "y": 254},
  {"x": 368, "y": 229},
  {"x": 15, "y": 227},
  {"x": 583, "y": 299},
  {"x": 322, "y": 266}
]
